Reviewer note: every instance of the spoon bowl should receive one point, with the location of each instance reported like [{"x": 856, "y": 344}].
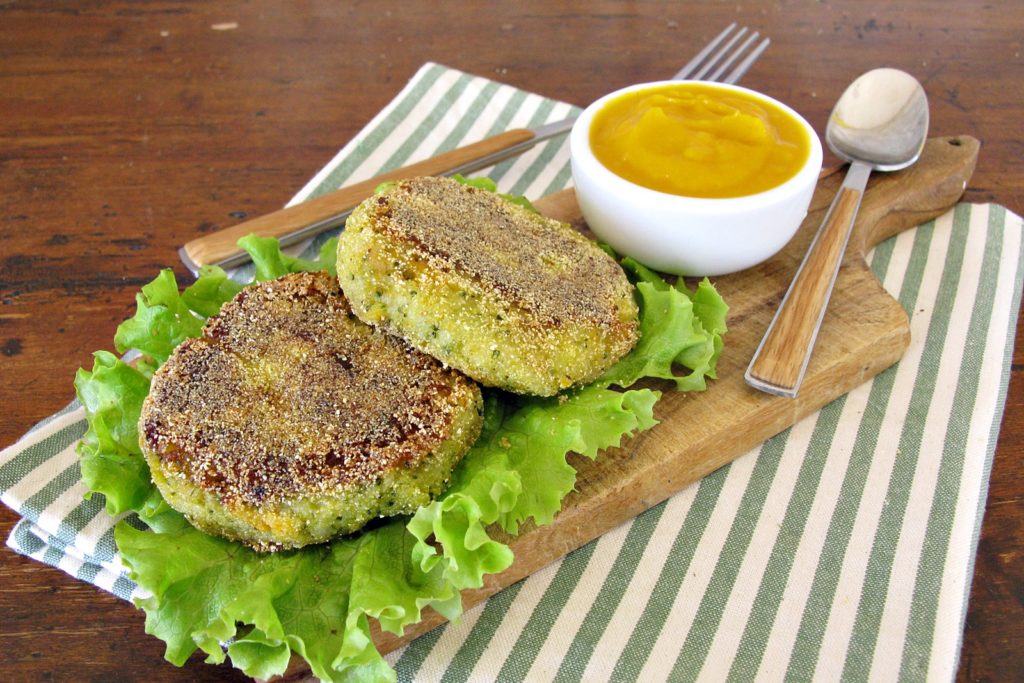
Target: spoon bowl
[
  {"x": 881, "y": 120},
  {"x": 880, "y": 123}
]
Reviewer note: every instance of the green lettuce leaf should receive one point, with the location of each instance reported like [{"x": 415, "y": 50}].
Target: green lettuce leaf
[
  {"x": 218, "y": 596},
  {"x": 210, "y": 291},
  {"x": 536, "y": 437},
  {"x": 314, "y": 602},
  {"x": 518, "y": 471},
  {"x": 112, "y": 394},
  {"x": 271, "y": 263},
  {"x": 202, "y": 587},
  {"x": 677, "y": 327},
  {"x": 161, "y": 322}
]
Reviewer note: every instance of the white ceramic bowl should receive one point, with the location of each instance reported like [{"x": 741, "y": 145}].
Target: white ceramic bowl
[{"x": 688, "y": 235}]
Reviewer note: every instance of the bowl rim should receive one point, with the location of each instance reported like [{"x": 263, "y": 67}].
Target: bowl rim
[{"x": 581, "y": 153}]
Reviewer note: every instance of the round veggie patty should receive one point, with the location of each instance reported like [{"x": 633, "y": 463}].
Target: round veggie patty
[
  {"x": 289, "y": 421},
  {"x": 511, "y": 298}
]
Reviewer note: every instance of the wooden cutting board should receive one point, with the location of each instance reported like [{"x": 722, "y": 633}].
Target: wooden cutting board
[{"x": 865, "y": 331}]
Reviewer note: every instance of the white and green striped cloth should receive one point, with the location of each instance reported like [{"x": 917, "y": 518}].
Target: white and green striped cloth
[{"x": 842, "y": 548}]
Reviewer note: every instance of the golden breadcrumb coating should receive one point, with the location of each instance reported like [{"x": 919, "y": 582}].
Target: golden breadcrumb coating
[
  {"x": 290, "y": 421},
  {"x": 511, "y": 298}
]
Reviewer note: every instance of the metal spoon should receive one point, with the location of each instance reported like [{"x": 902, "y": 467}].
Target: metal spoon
[{"x": 880, "y": 123}]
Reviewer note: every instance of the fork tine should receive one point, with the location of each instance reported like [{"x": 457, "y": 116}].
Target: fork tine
[
  {"x": 717, "y": 73},
  {"x": 715, "y": 58},
  {"x": 722, "y": 51},
  {"x": 700, "y": 56},
  {"x": 743, "y": 66}
]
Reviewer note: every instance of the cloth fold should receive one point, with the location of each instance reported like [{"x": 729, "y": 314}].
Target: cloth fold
[{"x": 841, "y": 548}]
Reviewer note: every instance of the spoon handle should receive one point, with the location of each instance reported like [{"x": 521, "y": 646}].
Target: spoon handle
[{"x": 779, "y": 363}]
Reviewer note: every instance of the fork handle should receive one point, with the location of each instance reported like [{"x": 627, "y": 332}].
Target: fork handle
[
  {"x": 220, "y": 247},
  {"x": 780, "y": 361}
]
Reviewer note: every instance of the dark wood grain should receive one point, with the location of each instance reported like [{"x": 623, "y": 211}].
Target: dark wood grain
[{"x": 127, "y": 129}]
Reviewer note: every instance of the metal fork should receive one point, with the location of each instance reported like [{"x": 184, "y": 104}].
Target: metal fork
[
  {"x": 294, "y": 224},
  {"x": 703, "y": 62}
]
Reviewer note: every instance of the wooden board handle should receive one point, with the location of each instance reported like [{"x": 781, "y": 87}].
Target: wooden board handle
[{"x": 220, "y": 245}]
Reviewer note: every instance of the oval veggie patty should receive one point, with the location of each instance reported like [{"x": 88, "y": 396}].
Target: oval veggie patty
[
  {"x": 289, "y": 421},
  {"x": 513, "y": 299}
]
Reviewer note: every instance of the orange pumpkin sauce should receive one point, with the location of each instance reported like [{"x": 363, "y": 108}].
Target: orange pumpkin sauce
[{"x": 699, "y": 140}]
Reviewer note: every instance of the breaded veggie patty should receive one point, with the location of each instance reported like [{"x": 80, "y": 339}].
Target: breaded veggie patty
[
  {"x": 513, "y": 299},
  {"x": 290, "y": 421}
]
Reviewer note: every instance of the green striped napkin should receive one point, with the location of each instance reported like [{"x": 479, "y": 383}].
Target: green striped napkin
[{"x": 840, "y": 549}]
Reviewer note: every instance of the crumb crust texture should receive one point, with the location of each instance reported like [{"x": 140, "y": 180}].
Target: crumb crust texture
[
  {"x": 511, "y": 298},
  {"x": 290, "y": 421}
]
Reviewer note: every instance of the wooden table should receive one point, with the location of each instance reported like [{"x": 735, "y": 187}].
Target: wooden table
[{"x": 129, "y": 128}]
